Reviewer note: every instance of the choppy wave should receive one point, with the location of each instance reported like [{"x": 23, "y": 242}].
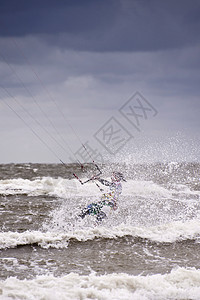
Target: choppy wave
[
  {"x": 45, "y": 186},
  {"x": 180, "y": 283},
  {"x": 63, "y": 188},
  {"x": 167, "y": 233}
]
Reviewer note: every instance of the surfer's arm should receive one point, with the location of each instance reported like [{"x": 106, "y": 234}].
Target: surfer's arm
[{"x": 104, "y": 182}]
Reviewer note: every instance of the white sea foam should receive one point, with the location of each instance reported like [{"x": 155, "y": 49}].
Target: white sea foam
[
  {"x": 63, "y": 188},
  {"x": 166, "y": 233},
  {"x": 41, "y": 186},
  {"x": 180, "y": 283},
  {"x": 45, "y": 240}
]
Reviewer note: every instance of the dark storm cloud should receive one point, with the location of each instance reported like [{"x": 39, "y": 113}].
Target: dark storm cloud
[
  {"x": 100, "y": 25},
  {"x": 20, "y": 18},
  {"x": 92, "y": 55}
]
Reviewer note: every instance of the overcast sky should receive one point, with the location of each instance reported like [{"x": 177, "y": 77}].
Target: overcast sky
[{"x": 68, "y": 68}]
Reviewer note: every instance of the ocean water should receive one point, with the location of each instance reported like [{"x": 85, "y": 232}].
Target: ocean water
[{"x": 147, "y": 249}]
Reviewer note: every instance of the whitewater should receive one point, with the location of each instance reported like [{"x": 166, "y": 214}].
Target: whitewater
[{"x": 149, "y": 248}]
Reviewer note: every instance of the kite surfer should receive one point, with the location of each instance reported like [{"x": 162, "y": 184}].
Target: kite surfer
[{"x": 108, "y": 199}]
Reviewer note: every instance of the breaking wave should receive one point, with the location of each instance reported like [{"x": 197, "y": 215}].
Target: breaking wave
[
  {"x": 165, "y": 233},
  {"x": 63, "y": 188},
  {"x": 45, "y": 186},
  {"x": 180, "y": 283}
]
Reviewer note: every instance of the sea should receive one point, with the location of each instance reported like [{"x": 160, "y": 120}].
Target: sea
[{"x": 148, "y": 249}]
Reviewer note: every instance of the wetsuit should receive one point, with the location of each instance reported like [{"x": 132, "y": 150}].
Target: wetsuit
[{"x": 108, "y": 199}]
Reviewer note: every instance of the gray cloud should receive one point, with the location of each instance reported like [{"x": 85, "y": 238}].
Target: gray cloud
[
  {"x": 104, "y": 25},
  {"x": 91, "y": 56}
]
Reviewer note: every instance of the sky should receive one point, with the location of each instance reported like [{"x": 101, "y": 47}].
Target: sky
[{"x": 121, "y": 76}]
